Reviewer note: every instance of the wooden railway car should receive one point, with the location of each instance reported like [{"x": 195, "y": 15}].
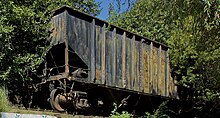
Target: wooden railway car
[{"x": 92, "y": 64}]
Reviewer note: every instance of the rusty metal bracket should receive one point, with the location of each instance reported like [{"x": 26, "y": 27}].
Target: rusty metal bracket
[{"x": 124, "y": 101}]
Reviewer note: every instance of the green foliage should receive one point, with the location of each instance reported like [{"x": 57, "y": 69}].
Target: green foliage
[
  {"x": 140, "y": 19},
  {"x": 124, "y": 114},
  {"x": 191, "y": 29},
  {"x": 24, "y": 28},
  {"x": 4, "y": 102},
  {"x": 117, "y": 6},
  {"x": 116, "y": 114},
  {"x": 160, "y": 112}
]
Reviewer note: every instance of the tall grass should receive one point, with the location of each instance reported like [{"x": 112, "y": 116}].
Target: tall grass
[{"x": 4, "y": 102}]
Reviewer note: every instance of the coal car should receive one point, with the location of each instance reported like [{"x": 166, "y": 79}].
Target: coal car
[{"x": 92, "y": 64}]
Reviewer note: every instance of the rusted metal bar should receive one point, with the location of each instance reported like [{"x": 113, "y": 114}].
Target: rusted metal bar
[
  {"x": 66, "y": 45},
  {"x": 80, "y": 73}
]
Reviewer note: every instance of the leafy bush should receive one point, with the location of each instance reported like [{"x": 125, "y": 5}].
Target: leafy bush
[
  {"x": 160, "y": 112},
  {"x": 4, "y": 102},
  {"x": 24, "y": 28},
  {"x": 116, "y": 114},
  {"x": 124, "y": 114}
]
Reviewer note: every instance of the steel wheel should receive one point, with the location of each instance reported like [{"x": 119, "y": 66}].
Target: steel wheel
[{"x": 56, "y": 98}]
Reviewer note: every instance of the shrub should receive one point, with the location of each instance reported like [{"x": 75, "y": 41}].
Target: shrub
[
  {"x": 124, "y": 114},
  {"x": 160, "y": 112},
  {"x": 4, "y": 102},
  {"x": 116, "y": 114}
]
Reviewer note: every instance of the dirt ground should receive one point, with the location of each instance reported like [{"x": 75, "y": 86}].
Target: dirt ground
[{"x": 49, "y": 112}]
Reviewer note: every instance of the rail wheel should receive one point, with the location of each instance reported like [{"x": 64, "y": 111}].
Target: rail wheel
[{"x": 57, "y": 100}]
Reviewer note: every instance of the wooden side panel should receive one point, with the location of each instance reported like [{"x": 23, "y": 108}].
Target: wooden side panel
[
  {"x": 79, "y": 37},
  {"x": 167, "y": 78},
  {"x": 98, "y": 54},
  {"x": 123, "y": 60},
  {"x": 159, "y": 71},
  {"x": 92, "y": 51},
  {"x": 128, "y": 63},
  {"x": 108, "y": 56},
  {"x": 162, "y": 75},
  {"x": 151, "y": 68},
  {"x": 135, "y": 79},
  {"x": 119, "y": 60},
  {"x": 146, "y": 68},
  {"x": 103, "y": 59},
  {"x": 114, "y": 57},
  {"x": 132, "y": 63},
  {"x": 155, "y": 70},
  {"x": 141, "y": 65}
]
